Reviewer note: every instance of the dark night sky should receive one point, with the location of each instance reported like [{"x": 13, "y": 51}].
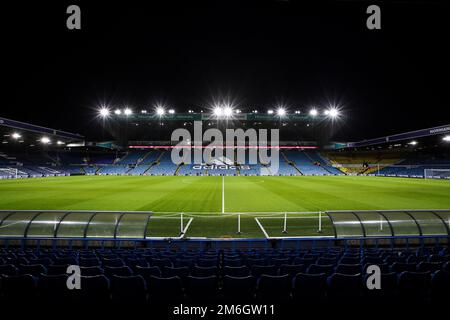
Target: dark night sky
[{"x": 259, "y": 53}]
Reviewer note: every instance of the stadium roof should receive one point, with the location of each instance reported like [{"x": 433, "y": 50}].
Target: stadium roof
[
  {"x": 402, "y": 136},
  {"x": 28, "y": 127}
]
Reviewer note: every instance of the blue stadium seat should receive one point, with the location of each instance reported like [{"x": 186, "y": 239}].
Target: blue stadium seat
[
  {"x": 319, "y": 269},
  {"x": 257, "y": 271},
  {"x": 113, "y": 262},
  {"x": 43, "y": 261},
  {"x": 291, "y": 269},
  {"x": 89, "y": 262},
  {"x": 232, "y": 262},
  {"x": 348, "y": 269},
  {"x": 181, "y": 272},
  {"x": 118, "y": 271},
  {"x": 304, "y": 261},
  {"x": 414, "y": 286},
  {"x": 307, "y": 288},
  {"x": 273, "y": 288},
  {"x": 372, "y": 260},
  {"x": 428, "y": 266},
  {"x": 165, "y": 289},
  {"x": 279, "y": 261},
  {"x": 350, "y": 260},
  {"x": 95, "y": 289},
  {"x": 202, "y": 288},
  {"x": 161, "y": 263},
  {"x": 128, "y": 289},
  {"x": 401, "y": 267},
  {"x": 388, "y": 291},
  {"x": 384, "y": 267},
  {"x": 239, "y": 288},
  {"x": 322, "y": 261},
  {"x": 256, "y": 262},
  {"x": 207, "y": 262},
  {"x": 236, "y": 271},
  {"x": 33, "y": 269},
  {"x": 204, "y": 271},
  {"x": 8, "y": 270},
  {"x": 57, "y": 269},
  {"x": 91, "y": 271},
  {"x": 65, "y": 260},
  {"x": 54, "y": 288},
  {"x": 345, "y": 287}
]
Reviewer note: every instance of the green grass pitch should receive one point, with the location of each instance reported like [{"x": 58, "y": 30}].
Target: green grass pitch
[{"x": 200, "y": 198}]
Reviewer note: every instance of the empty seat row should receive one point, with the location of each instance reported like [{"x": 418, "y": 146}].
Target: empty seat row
[{"x": 410, "y": 286}]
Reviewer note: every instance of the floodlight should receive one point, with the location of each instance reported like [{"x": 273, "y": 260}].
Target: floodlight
[
  {"x": 333, "y": 112},
  {"x": 313, "y": 112},
  {"x": 413, "y": 143},
  {"x": 238, "y": 111},
  {"x": 446, "y": 138},
  {"x": 127, "y": 111},
  {"x": 144, "y": 111},
  {"x": 270, "y": 111},
  {"x": 45, "y": 140},
  {"x": 16, "y": 136},
  {"x": 118, "y": 111},
  {"x": 281, "y": 112},
  {"x": 160, "y": 111},
  {"x": 171, "y": 111},
  {"x": 104, "y": 112},
  {"x": 218, "y": 111},
  {"x": 227, "y": 111}
]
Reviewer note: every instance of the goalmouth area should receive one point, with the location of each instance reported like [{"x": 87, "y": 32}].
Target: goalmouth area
[{"x": 151, "y": 207}]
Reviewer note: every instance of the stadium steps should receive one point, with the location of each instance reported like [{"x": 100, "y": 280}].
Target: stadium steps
[
  {"x": 178, "y": 169},
  {"x": 291, "y": 163},
  {"x": 314, "y": 161},
  {"x": 146, "y": 170},
  {"x": 145, "y": 157},
  {"x": 118, "y": 160},
  {"x": 158, "y": 159},
  {"x": 129, "y": 170},
  {"x": 295, "y": 167}
]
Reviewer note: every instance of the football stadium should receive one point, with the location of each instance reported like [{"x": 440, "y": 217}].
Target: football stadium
[{"x": 231, "y": 206}]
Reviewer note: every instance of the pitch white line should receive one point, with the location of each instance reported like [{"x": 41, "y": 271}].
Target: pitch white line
[
  {"x": 187, "y": 226},
  {"x": 262, "y": 228},
  {"x": 223, "y": 194}
]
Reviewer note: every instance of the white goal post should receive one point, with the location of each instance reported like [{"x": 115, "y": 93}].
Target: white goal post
[{"x": 437, "y": 173}]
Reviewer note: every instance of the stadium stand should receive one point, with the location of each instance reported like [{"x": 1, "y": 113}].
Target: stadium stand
[
  {"x": 139, "y": 169},
  {"x": 363, "y": 162},
  {"x": 285, "y": 275},
  {"x": 132, "y": 157},
  {"x": 310, "y": 163},
  {"x": 112, "y": 170},
  {"x": 415, "y": 165},
  {"x": 163, "y": 165},
  {"x": 158, "y": 162}
]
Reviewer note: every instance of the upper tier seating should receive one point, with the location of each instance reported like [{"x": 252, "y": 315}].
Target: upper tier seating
[
  {"x": 165, "y": 166},
  {"x": 133, "y": 157}
]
